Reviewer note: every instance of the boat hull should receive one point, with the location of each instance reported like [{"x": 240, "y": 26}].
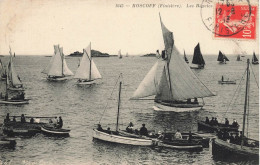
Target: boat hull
[
  {"x": 255, "y": 62},
  {"x": 196, "y": 66},
  {"x": 224, "y": 150},
  {"x": 177, "y": 108},
  {"x": 121, "y": 139},
  {"x": 15, "y": 89},
  {"x": 227, "y": 82},
  {"x": 180, "y": 146},
  {"x": 86, "y": 83},
  {"x": 57, "y": 79},
  {"x": 22, "y": 129},
  {"x": 202, "y": 126},
  {"x": 14, "y": 102},
  {"x": 50, "y": 131}
]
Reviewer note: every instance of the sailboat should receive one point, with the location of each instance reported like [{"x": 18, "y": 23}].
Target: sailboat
[
  {"x": 116, "y": 136},
  {"x": 16, "y": 100},
  {"x": 197, "y": 61},
  {"x": 238, "y": 58},
  {"x": 222, "y": 58},
  {"x": 254, "y": 59},
  {"x": 87, "y": 71},
  {"x": 126, "y": 55},
  {"x": 14, "y": 82},
  {"x": 57, "y": 69},
  {"x": 243, "y": 149},
  {"x": 177, "y": 85},
  {"x": 119, "y": 54},
  {"x": 2, "y": 71},
  {"x": 185, "y": 58}
]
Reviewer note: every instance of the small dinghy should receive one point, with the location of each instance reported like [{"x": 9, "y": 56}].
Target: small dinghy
[
  {"x": 51, "y": 131},
  {"x": 222, "y": 81},
  {"x": 203, "y": 126}
]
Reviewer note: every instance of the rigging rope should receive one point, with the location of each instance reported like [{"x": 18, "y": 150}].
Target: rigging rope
[
  {"x": 110, "y": 97},
  {"x": 254, "y": 75},
  {"x": 248, "y": 105},
  {"x": 234, "y": 95}
]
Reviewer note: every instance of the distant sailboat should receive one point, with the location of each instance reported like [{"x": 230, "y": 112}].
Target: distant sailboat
[
  {"x": 177, "y": 85},
  {"x": 238, "y": 58},
  {"x": 57, "y": 69},
  {"x": 254, "y": 59},
  {"x": 2, "y": 71},
  {"x": 119, "y": 54},
  {"x": 222, "y": 58},
  {"x": 197, "y": 61},
  {"x": 87, "y": 71},
  {"x": 126, "y": 55},
  {"x": 185, "y": 58},
  {"x": 14, "y": 82}
]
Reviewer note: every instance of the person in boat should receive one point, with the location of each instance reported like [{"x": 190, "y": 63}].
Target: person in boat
[
  {"x": 50, "y": 121},
  {"x": 219, "y": 134},
  {"x": 14, "y": 120},
  {"x": 212, "y": 121},
  {"x": 22, "y": 96},
  {"x": 7, "y": 118},
  {"x": 237, "y": 139},
  {"x": 226, "y": 122},
  {"x": 1, "y": 95},
  {"x": 55, "y": 122},
  {"x": 222, "y": 79},
  {"x": 160, "y": 135},
  {"x": 23, "y": 119},
  {"x": 6, "y": 97},
  {"x": 31, "y": 120},
  {"x": 143, "y": 130},
  {"x": 225, "y": 135},
  {"x": 178, "y": 135},
  {"x": 190, "y": 137},
  {"x": 235, "y": 124},
  {"x": 216, "y": 121},
  {"x": 130, "y": 128},
  {"x": 207, "y": 120},
  {"x": 188, "y": 101},
  {"x": 99, "y": 128},
  {"x": 60, "y": 122},
  {"x": 231, "y": 138},
  {"x": 109, "y": 130},
  {"x": 196, "y": 101}
]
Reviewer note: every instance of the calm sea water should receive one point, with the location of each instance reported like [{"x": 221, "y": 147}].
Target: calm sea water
[{"x": 82, "y": 108}]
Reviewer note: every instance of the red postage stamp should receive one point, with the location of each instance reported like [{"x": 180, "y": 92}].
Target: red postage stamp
[{"x": 235, "y": 21}]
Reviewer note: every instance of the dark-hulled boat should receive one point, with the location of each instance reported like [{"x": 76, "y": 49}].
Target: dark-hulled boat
[
  {"x": 222, "y": 58},
  {"x": 245, "y": 148},
  {"x": 203, "y": 126},
  {"x": 21, "y": 129},
  {"x": 197, "y": 61},
  {"x": 52, "y": 131}
]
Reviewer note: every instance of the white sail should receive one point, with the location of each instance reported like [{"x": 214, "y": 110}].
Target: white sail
[
  {"x": 177, "y": 82},
  {"x": 13, "y": 77},
  {"x": 47, "y": 69},
  {"x": 148, "y": 86},
  {"x": 66, "y": 70},
  {"x": 83, "y": 72},
  {"x": 184, "y": 83},
  {"x": 56, "y": 64}
]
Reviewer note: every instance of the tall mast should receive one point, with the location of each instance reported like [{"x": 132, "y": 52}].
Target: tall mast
[
  {"x": 6, "y": 93},
  {"x": 118, "y": 106},
  {"x": 245, "y": 106},
  {"x": 62, "y": 57},
  {"x": 168, "y": 69},
  {"x": 90, "y": 59}
]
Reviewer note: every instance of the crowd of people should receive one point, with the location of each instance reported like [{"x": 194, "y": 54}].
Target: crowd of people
[{"x": 214, "y": 122}]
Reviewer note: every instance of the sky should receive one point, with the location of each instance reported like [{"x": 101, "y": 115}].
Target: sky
[{"x": 32, "y": 27}]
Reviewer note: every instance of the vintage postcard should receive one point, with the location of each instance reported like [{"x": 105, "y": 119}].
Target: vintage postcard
[{"x": 129, "y": 82}]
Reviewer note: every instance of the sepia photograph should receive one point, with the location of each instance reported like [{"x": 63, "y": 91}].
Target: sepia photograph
[{"x": 118, "y": 82}]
